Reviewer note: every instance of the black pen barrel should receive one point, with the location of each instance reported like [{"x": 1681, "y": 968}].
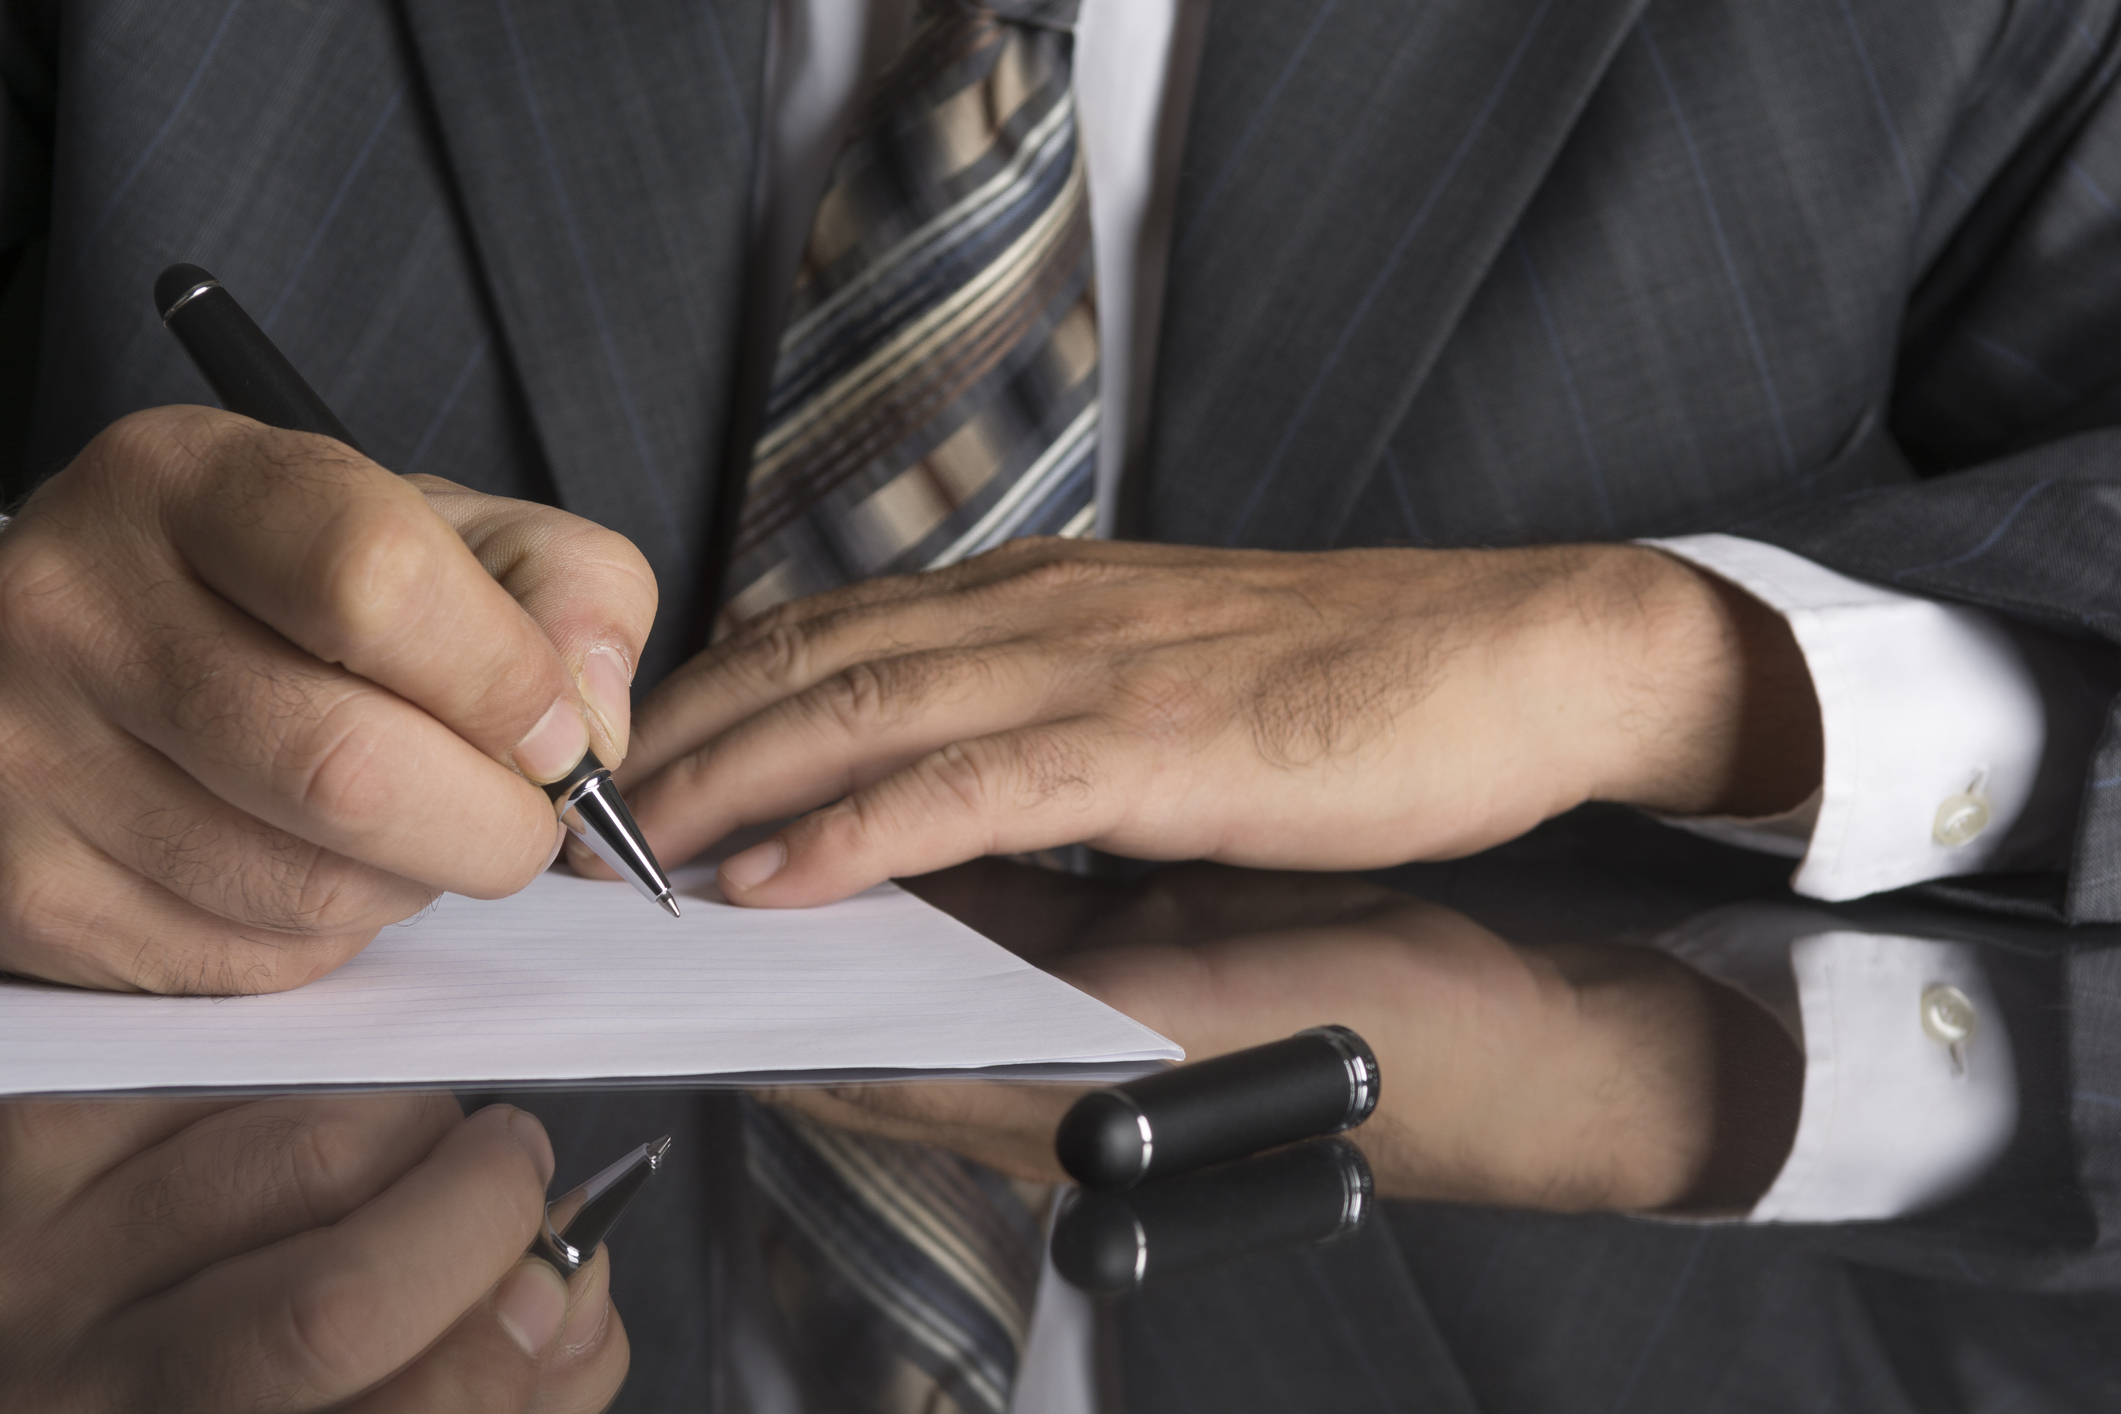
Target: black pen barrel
[
  {"x": 1319, "y": 1081},
  {"x": 238, "y": 361}
]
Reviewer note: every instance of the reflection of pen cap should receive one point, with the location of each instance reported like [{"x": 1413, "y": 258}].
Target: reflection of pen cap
[
  {"x": 1106, "y": 1243},
  {"x": 1319, "y": 1081},
  {"x": 577, "y": 1220}
]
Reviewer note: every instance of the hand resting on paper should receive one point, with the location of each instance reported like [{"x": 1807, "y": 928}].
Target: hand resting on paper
[
  {"x": 260, "y": 697},
  {"x": 356, "y": 1252},
  {"x": 1319, "y": 711},
  {"x": 1570, "y": 1078}
]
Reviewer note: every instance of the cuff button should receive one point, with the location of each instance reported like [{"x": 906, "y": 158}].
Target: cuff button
[
  {"x": 1961, "y": 819},
  {"x": 1948, "y": 1019}
]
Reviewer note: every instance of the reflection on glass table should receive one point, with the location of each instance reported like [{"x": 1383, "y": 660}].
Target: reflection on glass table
[{"x": 1653, "y": 1135}]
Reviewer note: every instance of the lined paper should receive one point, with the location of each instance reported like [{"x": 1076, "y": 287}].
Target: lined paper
[{"x": 578, "y": 980}]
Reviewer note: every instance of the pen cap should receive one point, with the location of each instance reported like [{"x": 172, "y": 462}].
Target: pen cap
[
  {"x": 239, "y": 363},
  {"x": 1316, "y": 1082},
  {"x": 1107, "y": 1242}
]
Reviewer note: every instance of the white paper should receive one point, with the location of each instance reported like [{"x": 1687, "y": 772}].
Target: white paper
[{"x": 576, "y": 980}]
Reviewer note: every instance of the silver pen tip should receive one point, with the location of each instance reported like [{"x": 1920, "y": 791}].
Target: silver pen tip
[
  {"x": 657, "y": 1150},
  {"x": 670, "y": 905}
]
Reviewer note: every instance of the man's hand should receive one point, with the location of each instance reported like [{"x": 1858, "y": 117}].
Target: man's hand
[
  {"x": 1574, "y": 1078},
  {"x": 260, "y": 697},
  {"x": 1321, "y": 711},
  {"x": 357, "y": 1252}
]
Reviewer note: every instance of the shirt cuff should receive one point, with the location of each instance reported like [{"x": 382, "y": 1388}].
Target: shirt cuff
[
  {"x": 1897, "y": 1115},
  {"x": 1933, "y": 721}
]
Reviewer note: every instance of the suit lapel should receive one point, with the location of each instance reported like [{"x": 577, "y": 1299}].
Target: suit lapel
[
  {"x": 1352, "y": 168},
  {"x": 605, "y": 154}
]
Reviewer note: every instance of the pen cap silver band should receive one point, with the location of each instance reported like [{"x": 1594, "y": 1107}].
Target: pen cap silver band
[
  {"x": 187, "y": 297},
  {"x": 1361, "y": 1063},
  {"x": 237, "y": 360}
]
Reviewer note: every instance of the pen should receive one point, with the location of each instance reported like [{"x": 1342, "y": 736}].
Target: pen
[
  {"x": 1319, "y": 1081},
  {"x": 577, "y": 1220},
  {"x": 254, "y": 378}
]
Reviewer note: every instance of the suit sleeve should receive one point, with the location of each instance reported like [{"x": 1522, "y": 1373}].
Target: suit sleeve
[{"x": 2005, "y": 424}]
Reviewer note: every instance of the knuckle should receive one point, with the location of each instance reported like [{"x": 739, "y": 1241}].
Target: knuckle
[
  {"x": 320, "y": 1161},
  {"x": 43, "y": 586},
  {"x": 330, "y": 764},
  {"x": 776, "y": 650},
  {"x": 1048, "y": 764},
  {"x": 856, "y": 697},
  {"x": 965, "y": 772},
  {"x": 38, "y": 913},
  {"x": 320, "y": 1339},
  {"x": 378, "y": 572},
  {"x": 882, "y": 692},
  {"x": 302, "y": 888},
  {"x": 159, "y": 441},
  {"x": 996, "y": 774}
]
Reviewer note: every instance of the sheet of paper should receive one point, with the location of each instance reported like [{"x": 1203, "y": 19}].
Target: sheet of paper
[{"x": 574, "y": 980}]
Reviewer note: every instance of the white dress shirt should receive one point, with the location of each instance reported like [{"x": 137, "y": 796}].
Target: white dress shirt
[{"x": 1934, "y": 723}]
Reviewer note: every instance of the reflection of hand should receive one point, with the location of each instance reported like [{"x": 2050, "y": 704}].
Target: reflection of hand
[
  {"x": 1569, "y": 1078},
  {"x": 260, "y": 697},
  {"x": 1319, "y": 711},
  {"x": 363, "y": 1252}
]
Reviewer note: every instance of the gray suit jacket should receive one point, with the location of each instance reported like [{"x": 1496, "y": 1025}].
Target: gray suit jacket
[
  {"x": 1834, "y": 275},
  {"x": 1840, "y": 275}
]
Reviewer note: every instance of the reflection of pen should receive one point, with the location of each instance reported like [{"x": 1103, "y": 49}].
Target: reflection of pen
[
  {"x": 1107, "y": 1242},
  {"x": 1319, "y": 1081},
  {"x": 254, "y": 378},
  {"x": 577, "y": 1220}
]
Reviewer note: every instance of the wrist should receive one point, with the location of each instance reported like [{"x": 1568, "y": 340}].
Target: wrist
[{"x": 1703, "y": 703}]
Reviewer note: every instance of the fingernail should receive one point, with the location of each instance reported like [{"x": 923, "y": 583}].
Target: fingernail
[
  {"x": 579, "y": 856},
  {"x": 755, "y": 865},
  {"x": 531, "y": 1135},
  {"x": 531, "y": 1301},
  {"x": 607, "y": 686},
  {"x": 554, "y": 744}
]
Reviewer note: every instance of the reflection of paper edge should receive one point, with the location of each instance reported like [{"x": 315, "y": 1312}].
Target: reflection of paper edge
[{"x": 1044, "y": 1073}]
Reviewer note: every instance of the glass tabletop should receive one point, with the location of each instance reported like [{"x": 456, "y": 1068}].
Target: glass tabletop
[{"x": 1653, "y": 1134}]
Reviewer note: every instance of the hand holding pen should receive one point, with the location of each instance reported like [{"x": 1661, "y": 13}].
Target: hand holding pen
[
  {"x": 252, "y": 377},
  {"x": 389, "y": 1278},
  {"x": 262, "y": 697}
]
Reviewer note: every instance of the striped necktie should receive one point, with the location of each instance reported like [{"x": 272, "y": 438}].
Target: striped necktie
[
  {"x": 905, "y": 1274},
  {"x": 935, "y": 389}
]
